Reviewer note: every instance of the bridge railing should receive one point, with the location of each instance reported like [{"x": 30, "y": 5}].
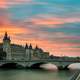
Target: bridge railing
[
  {"x": 75, "y": 75},
  {"x": 49, "y": 60}
]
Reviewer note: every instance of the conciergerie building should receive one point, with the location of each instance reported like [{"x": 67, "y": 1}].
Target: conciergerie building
[{"x": 18, "y": 52}]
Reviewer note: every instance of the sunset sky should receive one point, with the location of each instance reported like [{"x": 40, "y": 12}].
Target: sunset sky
[{"x": 53, "y": 25}]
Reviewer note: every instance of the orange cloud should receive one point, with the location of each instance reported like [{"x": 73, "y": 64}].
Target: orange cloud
[
  {"x": 3, "y": 4},
  {"x": 54, "y": 47},
  {"x": 13, "y": 31}
]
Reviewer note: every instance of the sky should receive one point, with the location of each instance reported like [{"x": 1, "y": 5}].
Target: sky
[{"x": 53, "y": 25}]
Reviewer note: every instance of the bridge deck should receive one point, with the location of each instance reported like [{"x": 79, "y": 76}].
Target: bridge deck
[{"x": 49, "y": 60}]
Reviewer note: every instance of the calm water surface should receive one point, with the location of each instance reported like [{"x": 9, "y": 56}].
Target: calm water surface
[{"x": 34, "y": 75}]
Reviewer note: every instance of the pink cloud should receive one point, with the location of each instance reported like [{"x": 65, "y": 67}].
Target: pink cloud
[
  {"x": 54, "y": 47},
  {"x": 58, "y": 48},
  {"x": 51, "y": 21},
  {"x": 71, "y": 20},
  {"x": 48, "y": 21},
  {"x": 8, "y": 3}
]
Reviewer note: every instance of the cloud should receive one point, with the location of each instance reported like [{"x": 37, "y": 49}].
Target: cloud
[
  {"x": 45, "y": 26},
  {"x": 47, "y": 41},
  {"x": 8, "y": 3},
  {"x": 50, "y": 21},
  {"x": 56, "y": 47},
  {"x": 13, "y": 30},
  {"x": 47, "y": 22}
]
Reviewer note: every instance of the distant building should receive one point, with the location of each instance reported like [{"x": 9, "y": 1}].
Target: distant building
[{"x": 18, "y": 52}]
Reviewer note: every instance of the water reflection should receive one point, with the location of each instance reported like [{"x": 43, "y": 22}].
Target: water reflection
[
  {"x": 34, "y": 75},
  {"x": 51, "y": 73}
]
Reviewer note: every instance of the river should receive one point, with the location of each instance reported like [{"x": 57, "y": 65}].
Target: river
[{"x": 29, "y": 74}]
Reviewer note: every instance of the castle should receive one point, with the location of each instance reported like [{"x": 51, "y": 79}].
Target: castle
[{"x": 18, "y": 52}]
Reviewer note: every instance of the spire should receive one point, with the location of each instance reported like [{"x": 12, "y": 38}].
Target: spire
[
  {"x": 30, "y": 47},
  {"x": 6, "y": 34},
  {"x": 26, "y": 47},
  {"x": 36, "y": 47},
  {"x": 6, "y": 37}
]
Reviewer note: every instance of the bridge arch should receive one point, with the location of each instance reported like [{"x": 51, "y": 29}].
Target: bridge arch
[
  {"x": 11, "y": 65},
  {"x": 8, "y": 65},
  {"x": 61, "y": 65},
  {"x": 74, "y": 66},
  {"x": 43, "y": 65},
  {"x": 49, "y": 66},
  {"x": 36, "y": 65}
]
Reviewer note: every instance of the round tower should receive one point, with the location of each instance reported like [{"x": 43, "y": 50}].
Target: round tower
[{"x": 7, "y": 46}]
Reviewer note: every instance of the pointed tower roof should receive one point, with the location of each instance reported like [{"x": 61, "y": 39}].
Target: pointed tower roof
[
  {"x": 26, "y": 47},
  {"x": 6, "y": 37},
  {"x": 36, "y": 47},
  {"x": 30, "y": 46}
]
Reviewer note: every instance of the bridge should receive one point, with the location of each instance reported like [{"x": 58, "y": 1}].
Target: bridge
[
  {"x": 30, "y": 55},
  {"x": 60, "y": 63}
]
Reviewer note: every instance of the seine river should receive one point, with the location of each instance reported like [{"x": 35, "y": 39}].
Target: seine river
[{"x": 34, "y": 75}]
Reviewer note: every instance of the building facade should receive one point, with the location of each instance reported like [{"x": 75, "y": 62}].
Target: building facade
[
  {"x": 18, "y": 52},
  {"x": 7, "y": 46}
]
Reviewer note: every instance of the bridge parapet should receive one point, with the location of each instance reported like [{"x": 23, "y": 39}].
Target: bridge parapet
[{"x": 58, "y": 63}]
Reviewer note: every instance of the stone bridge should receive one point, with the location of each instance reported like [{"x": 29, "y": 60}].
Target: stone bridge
[{"x": 61, "y": 64}]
